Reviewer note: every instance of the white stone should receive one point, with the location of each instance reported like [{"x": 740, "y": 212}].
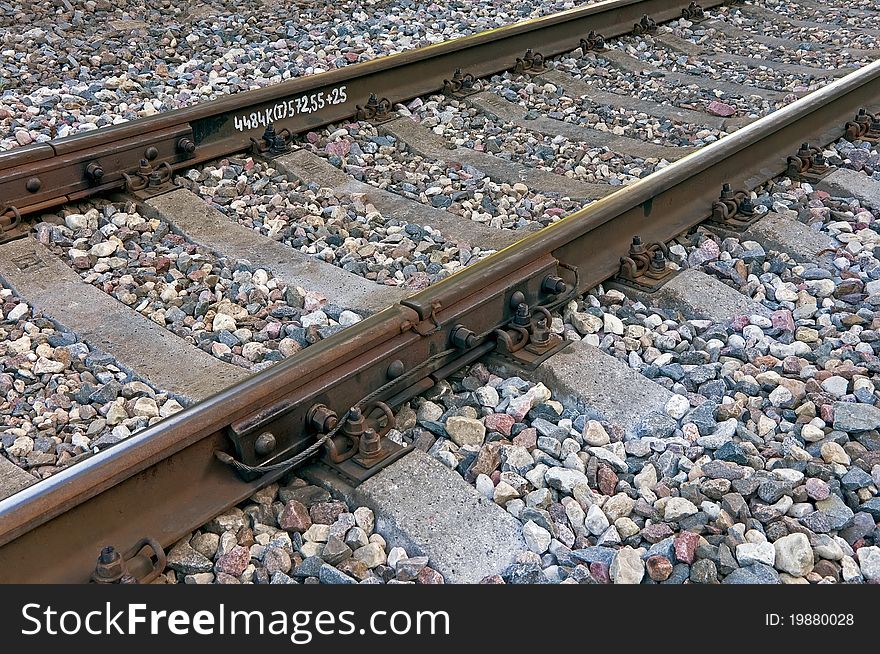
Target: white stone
[
  {"x": 677, "y": 508},
  {"x": 677, "y": 406},
  {"x": 223, "y": 321},
  {"x": 594, "y": 434},
  {"x": 627, "y": 566},
  {"x": 18, "y": 312},
  {"x": 611, "y": 324},
  {"x": 564, "y": 479},
  {"x": 465, "y": 431},
  {"x": 484, "y": 486},
  {"x": 749, "y": 553},
  {"x": 596, "y": 521},
  {"x": 104, "y": 248},
  {"x": 146, "y": 406},
  {"x": 647, "y": 477},
  {"x": 794, "y": 555},
  {"x": 537, "y": 538},
  {"x": 836, "y": 386}
]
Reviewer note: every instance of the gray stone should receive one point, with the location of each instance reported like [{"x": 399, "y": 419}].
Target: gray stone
[
  {"x": 330, "y": 575},
  {"x": 184, "y": 558},
  {"x": 850, "y": 416}
]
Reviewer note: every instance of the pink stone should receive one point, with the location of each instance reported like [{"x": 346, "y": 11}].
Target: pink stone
[
  {"x": 659, "y": 567},
  {"x": 720, "y": 109},
  {"x": 600, "y": 572},
  {"x": 339, "y": 148},
  {"x": 783, "y": 320},
  {"x": 739, "y": 322},
  {"x": 500, "y": 422},
  {"x": 527, "y": 438},
  {"x": 429, "y": 576},
  {"x": 826, "y": 412},
  {"x": 233, "y": 562},
  {"x": 686, "y": 546},
  {"x": 817, "y": 489},
  {"x": 313, "y": 301},
  {"x": 295, "y": 517},
  {"x": 519, "y": 407}
]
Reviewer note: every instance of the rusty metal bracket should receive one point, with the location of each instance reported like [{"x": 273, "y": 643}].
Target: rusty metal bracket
[
  {"x": 864, "y": 127},
  {"x": 694, "y": 13},
  {"x": 594, "y": 42},
  {"x": 140, "y": 565},
  {"x": 646, "y": 25},
  {"x": 531, "y": 63},
  {"x": 527, "y": 340},
  {"x": 733, "y": 210},
  {"x": 376, "y": 110},
  {"x": 272, "y": 143},
  {"x": 808, "y": 165},
  {"x": 646, "y": 267},
  {"x": 148, "y": 181},
  {"x": 461, "y": 85},
  {"x": 10, "y": 225}
]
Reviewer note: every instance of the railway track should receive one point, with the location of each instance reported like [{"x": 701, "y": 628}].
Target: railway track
[{"x": 515, "y": 100}]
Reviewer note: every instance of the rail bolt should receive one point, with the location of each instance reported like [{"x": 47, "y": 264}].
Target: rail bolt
[
  {"x": 33, "y": 184},
  {"x": 516, "y": 299},
  {"x": 523, "y": 315},
  {"x": 321, "y": 418},
  {"x": 370, "y": 443},
  {"x": 110, "y": 567},
  {"x": 658, "y": 261},
  {"x": 554, "y": 285},
  {"x": 151, "y": 153},
  {"x": 186, "y": 146},
  {"x": 726, "y": 192},
  {"x": 462, "y": 337},
  {"x": 265, "y": 443},
  {"x": 94, "y": 171},
  {"x": 395, "y": 369}
]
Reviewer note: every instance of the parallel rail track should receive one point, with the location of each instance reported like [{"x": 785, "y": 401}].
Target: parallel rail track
[{"x": 53, "y": 530}]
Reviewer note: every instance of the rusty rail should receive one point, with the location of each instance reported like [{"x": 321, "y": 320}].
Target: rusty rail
[
  {"x": 41, "y": 176},
  {"x": 54, "y": 530}
]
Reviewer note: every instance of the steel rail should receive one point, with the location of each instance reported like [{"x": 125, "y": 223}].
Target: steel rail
[
  {"x": 40, "y": 176},
  {"x": 164, "y": 481}
]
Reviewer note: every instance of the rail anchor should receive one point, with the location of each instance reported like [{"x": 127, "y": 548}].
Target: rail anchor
[
  {"x": 646, "y": 25},
  {"x": 594, "y": 42},
  {"x": 694, "y": 13},
  {"x": 376, "y": 110},
  {"x": 864, "y": 127},
  {"x": 272, "y": 143},
  {"x": 149, "y": 181},
  {"x": 137, "y": 566},
  {"x": 531, "y": 63},
  {"x": 734, "y": 210},
  {"x": 646, "y": 268},
  {"x": 461, "y": 85},
  {"x": 808, "y": 165}
]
